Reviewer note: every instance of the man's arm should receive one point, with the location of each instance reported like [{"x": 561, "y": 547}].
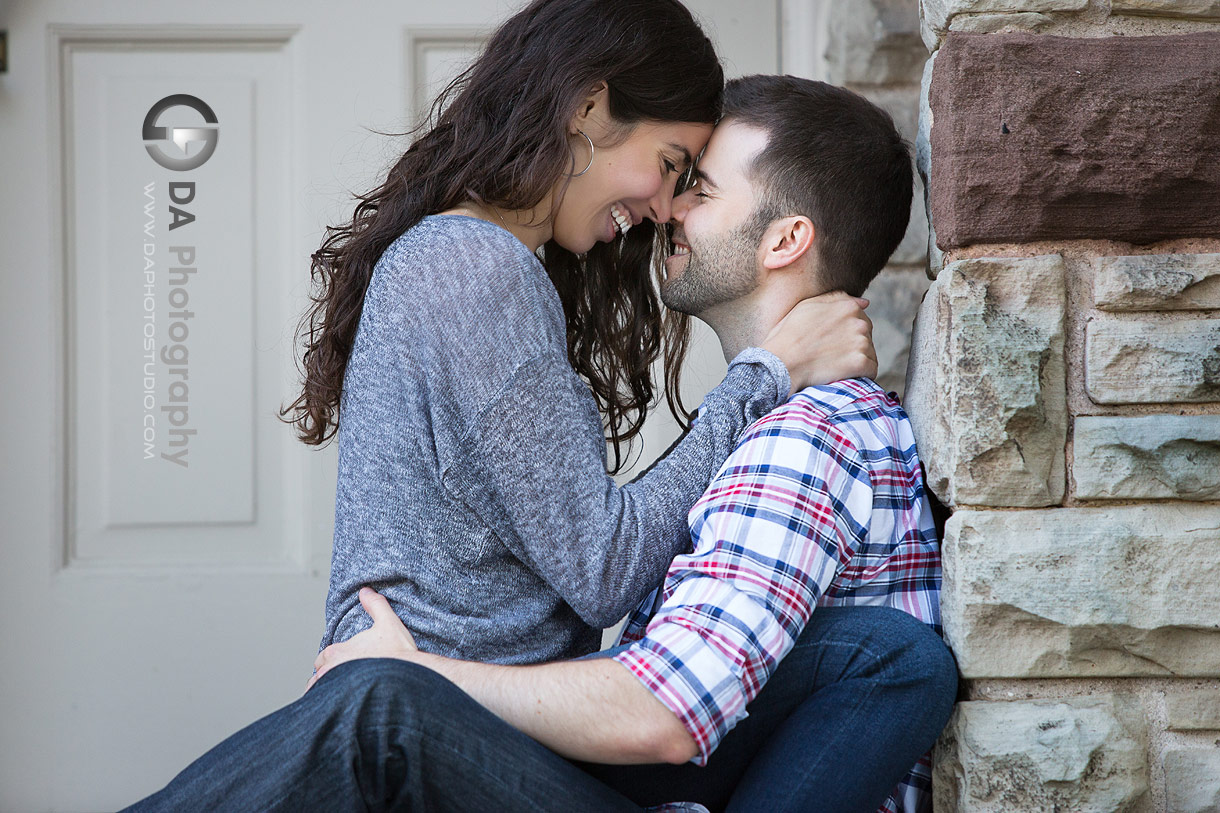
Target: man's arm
[{"x": 593, "y": 710}]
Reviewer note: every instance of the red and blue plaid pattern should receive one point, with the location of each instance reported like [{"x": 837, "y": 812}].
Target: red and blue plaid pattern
[{"x": 820, "y": 504}]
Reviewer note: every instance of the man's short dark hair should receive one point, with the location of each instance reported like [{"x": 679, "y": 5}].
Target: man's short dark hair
[{"x": 834, "y": 157}]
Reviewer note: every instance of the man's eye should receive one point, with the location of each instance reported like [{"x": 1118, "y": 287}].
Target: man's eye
[{"x": 701, "y": 195}]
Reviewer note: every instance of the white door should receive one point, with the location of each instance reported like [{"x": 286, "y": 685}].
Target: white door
[{"x": 165, "y": 171}]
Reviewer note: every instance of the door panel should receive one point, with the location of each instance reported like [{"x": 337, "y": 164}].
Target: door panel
[{"x": 167, "y": 314}]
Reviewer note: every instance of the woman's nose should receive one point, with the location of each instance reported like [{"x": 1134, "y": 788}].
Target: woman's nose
[
  {"x": 661, "y": 206},
  {"x": 681, "y": 205}
]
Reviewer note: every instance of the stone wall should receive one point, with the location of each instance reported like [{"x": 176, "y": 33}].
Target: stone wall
[
  {"x": 874, "y": 48},
  {"x": 1064, "y": 385}
]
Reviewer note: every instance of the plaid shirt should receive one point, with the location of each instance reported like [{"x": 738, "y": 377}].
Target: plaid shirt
[{"x": 820, "y": 504}]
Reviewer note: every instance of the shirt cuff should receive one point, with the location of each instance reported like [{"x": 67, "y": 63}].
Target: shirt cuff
[
  {"x": 692, "y": 680},
  {"x": 770, "y": 361}
]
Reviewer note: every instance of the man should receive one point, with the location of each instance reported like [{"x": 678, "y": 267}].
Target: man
[
  {"x": 748, "y": 676},
  {"x": 803, "y": 188}
]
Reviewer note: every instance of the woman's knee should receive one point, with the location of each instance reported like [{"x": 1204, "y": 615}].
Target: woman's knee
[{"x": 388, "y": 690}]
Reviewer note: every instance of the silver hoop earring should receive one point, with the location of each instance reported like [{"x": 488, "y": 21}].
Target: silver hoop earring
[{"x": 591, "y": 152}]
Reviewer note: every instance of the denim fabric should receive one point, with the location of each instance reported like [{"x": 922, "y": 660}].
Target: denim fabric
[
  {"x": 382, "y": 735},
  {"x": 863, "y": 694}
]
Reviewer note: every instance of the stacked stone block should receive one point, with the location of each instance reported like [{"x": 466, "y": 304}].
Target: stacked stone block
[
  {"x": 1064, "y": 386},
  {"x": 874, "y": 48}
]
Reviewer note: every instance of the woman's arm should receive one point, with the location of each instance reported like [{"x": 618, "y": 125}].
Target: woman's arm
[{"x": 533, "y": 471}]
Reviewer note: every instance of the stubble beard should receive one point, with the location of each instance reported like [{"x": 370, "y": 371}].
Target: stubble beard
[{"x": 718, "y": 270}]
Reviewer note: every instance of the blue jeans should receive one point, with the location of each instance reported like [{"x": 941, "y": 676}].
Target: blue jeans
[{"x": 865, "y": 692}]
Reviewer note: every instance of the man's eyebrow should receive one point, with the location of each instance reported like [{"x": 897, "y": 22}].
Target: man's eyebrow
[{"x": 702, "y": 177}]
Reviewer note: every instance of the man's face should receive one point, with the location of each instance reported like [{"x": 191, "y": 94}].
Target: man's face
[{"x": 715, "y": 259}]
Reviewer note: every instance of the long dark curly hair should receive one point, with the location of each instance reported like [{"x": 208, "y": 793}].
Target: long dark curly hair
[{"x": 499, "y": 136}]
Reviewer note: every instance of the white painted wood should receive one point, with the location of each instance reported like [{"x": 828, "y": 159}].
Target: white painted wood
[
  {"x": 437, "y": 55},
  {"x": 149, "y": 609},
  {"x": 156, "y": 445},
  {"x": 804, "y": 36}
]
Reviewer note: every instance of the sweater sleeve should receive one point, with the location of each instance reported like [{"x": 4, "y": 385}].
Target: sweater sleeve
[{"x": 532, "y": 470}]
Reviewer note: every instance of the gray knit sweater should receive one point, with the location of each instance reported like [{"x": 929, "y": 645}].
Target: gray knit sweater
[{"x": 472, "y": 491}]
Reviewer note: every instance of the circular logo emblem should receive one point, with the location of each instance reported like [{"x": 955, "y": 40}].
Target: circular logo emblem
[{"x": 155, "y": 137}]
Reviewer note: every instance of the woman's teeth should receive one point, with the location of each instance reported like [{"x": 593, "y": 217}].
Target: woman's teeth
[{"x": 621, "y": 219}]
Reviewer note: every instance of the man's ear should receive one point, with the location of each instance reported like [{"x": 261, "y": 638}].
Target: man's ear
[
  {"x": 786, "y": 241},
  {"x": 594, "y": 110}
]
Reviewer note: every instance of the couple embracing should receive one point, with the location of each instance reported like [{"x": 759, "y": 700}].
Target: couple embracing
[{"x": 487, "y": 321}]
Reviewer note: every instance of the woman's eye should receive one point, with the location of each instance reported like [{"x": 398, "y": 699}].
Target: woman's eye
[
  {"x": 685, "y": 181},
  {"x": 669, "y": 167}
]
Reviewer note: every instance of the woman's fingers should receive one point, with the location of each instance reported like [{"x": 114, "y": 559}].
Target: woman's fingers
[{"x": 825, "y": 338}]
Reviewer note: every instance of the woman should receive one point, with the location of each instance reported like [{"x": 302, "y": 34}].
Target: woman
[
  {"x": 483, "y": 304},
  {"x": 487, "y": 300}
]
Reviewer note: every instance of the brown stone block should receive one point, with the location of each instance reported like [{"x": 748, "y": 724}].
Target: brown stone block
[{"x": 1042, "y": 138}]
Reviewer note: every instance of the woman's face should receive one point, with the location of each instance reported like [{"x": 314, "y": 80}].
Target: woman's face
[{"x": 630, "y": 179}]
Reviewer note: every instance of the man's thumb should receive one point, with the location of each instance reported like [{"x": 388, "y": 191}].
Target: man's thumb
[{"x": 375, "y": 604}]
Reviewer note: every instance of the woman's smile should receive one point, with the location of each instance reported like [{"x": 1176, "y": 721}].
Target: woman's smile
[
  {"x": 622, "y": 217},
  {"x": 631, "y": 176}
]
